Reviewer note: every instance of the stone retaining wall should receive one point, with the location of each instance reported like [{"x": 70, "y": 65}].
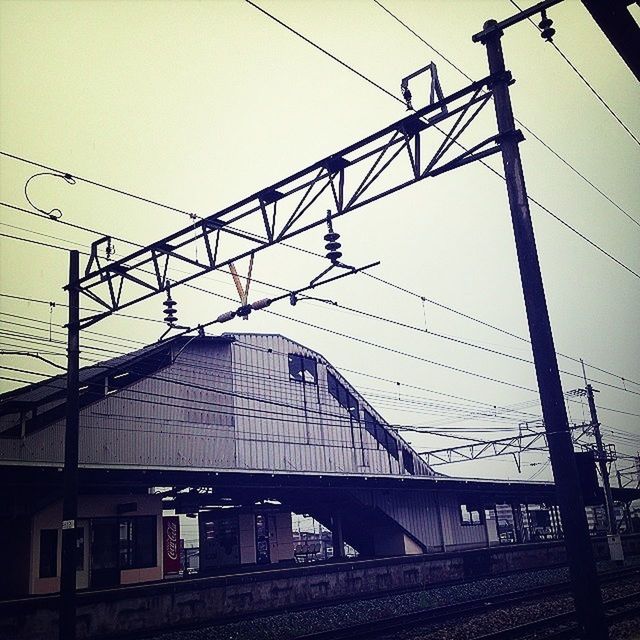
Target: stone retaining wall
[{"x": 159, "y": 606}]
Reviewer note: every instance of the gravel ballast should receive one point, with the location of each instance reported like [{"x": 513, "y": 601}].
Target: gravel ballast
[{"x": 284, "y": 626}]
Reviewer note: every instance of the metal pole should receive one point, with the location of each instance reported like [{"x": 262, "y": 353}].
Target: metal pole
[
  {"x": 586, "y": 590},
  {"x": 67, "y": 619},
  {"x": 602, "y": 463},
  {"x": 627, "y": 513}
]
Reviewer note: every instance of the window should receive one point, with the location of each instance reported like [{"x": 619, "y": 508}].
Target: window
[
  {"x": 469, "y": 515},
  {"x": 303, "y": 369},
  {"x": 138, "y": 542},
  {"x": 380, "y": 434},
  {"x": 343, "y": 396},
  {"x": 48, "y": 553},
  {"x": 407, "y": 461},
  {"x": 392, "y": 446}
]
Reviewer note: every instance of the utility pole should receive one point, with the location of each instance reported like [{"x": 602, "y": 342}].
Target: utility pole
[
  {"x": 627, "y": 514},
  {"x": 602, "y": 462},
  {"x": 592, "y": 623},
  {"x": 67, "y": 615},
  {"x": 614, "y": 541}
]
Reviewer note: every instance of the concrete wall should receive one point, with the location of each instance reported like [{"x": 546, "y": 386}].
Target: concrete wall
[{"x": 180, "y": 603}]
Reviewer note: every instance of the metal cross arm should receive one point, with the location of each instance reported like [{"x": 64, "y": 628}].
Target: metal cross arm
[
  {"x": 380, "y": 164},
  {"x": 515, "y": 19},
  {"x": 492, "y": 448}
]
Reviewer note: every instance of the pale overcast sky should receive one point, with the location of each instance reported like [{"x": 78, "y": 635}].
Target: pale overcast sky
[{"x": 198, "y": 104}]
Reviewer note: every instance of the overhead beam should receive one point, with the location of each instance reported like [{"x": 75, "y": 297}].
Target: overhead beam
[{"x": 341, "y": 182}]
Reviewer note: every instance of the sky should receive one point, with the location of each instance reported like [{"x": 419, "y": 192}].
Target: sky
[{"x": 196, "y": 105}]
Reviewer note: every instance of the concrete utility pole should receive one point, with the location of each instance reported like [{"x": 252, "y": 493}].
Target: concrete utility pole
[
  {"x": 614, "y": 541},
  {"x": 67, "y": 621},
  {"x": 586, "y": 590},
  {"x": 602, "y": 462}
]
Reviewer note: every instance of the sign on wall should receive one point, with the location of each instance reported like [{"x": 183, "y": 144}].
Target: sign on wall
[{"x": 171, "y": 544}]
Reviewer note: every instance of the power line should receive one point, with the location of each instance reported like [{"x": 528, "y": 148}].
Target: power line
[
  {"x": 120, "y": 239},
  {"x": 260, "y": 414},
  {"x": 169, "y": 400},
  {"x": 368, "y": 375},
  {"x": 347, "y": 308},
  {"x": 384, "y": 319},
  {"x": 471, "y": 344},
  {"x": 390, "y": 349},
  {"x": 525, "y": 127},
  {"x": 491, "y": 326},
  {"x": 41, "y": 244},
  {"x": 268, "y": 377},
  {"x": 497, "y": 173},
  {"x": 253, "y": 398},
  {"x": 95, "y": 183},
  {"x": 586, "y": 82},
  {"x": 62, "y": 304},
  {"x": 72, "y": 225}
]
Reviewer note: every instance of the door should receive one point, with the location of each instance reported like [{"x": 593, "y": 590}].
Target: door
[
  {"x": 263, "y": 543},
  {"x": 105, "y": 553},
  {"x": 82, "y": 554}
]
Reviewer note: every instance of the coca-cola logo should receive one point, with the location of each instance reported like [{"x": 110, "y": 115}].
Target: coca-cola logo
[{"x": 171, "y": 539}]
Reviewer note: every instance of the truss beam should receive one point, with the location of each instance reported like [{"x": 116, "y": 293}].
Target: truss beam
[
  {"x": 380, "y": 164},
  {"x": 514, "y": 445}
]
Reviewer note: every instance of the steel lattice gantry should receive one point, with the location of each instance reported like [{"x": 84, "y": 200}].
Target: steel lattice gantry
[{"x": 380, "y": 164}]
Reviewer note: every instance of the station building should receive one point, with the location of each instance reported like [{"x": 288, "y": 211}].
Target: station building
[{"x": 239, "y": 430}]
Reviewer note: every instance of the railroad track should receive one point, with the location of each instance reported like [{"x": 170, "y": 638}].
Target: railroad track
[
  {"x": 620, "y": 608},
  {"x": 563, "y": 625}
]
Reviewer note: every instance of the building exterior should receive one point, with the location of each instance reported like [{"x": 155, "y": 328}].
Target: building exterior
[{"x": 239, "y": 430}]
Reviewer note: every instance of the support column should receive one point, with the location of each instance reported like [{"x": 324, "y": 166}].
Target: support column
[
  {"x": 517, "y": 521},
  {"x": 67, "y": 616},
  {"x": 336, "y": 536}
]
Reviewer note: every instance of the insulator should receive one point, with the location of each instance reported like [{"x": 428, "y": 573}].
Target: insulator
[
  {"x": 225, "y": 317},
  {"x": 169, "y": 310},
  {"x": 171, "y": 319},
  {"x": 261, "y": 304},
  {"x": 546, "y": 32},
  {"x": 332, "y": 245}
]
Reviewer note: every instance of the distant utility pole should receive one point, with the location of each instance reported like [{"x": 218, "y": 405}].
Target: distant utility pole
[
  {"x": 586, "y": 589},
  {"x": 602, "y": 462}
]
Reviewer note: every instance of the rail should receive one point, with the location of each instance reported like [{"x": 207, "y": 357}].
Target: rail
[{"x": 447, "y": 613}]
